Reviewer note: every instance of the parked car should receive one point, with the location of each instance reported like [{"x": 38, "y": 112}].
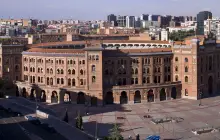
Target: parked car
[{"x": 153, "y": 137}]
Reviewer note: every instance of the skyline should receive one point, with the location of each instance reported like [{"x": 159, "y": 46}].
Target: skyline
[{"x": 72, "y": 9}]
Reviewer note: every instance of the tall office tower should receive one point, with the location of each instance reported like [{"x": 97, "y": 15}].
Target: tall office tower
[
  {"x": 130, "y": 21},
  {"x": 137, "y": 22},
  {"x": 201, "y": 16},
  {"x": 121, "y": 20},
  {"x": 112, "y": 19},
  {"x": 144, "y": 17}
]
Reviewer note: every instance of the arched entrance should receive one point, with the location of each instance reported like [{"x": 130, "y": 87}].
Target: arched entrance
[
  {"x": 123, "y": 98},
  {"x": 150, "y": 96},
  {"x": 24, "y": 92},
  {"x": 32, "y": 95},
  {"x": 173, "y": 93},
  {"x": 81, "y": 98},
  {"x": 17, "y": 91},
  {"x": 93, "y": 101},
  {"x": 137, "y": 97},
  {"x": 43, "y": 96},
  {"x": 109, "y": 98},
  {"x": 162, "y": 94},
  {"x": 54, "y": 97},
  {"x": 210, "y": 85},
  {"x": 67, "y": 97}
]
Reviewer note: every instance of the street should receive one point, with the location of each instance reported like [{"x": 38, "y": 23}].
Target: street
[
  {"x": 10, "y": 130},
  {"x": 17, "y": 127}
]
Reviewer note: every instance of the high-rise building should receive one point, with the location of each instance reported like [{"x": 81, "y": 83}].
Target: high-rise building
[
  {"x": 112, "y": 19},
  {"x": 137, "y": 22},
  {"x": 121, "y": 20},
  {"x": 201, "y": 17},
  {"x": 144, "y": 17},
  {"x": 130, "y": 21}
]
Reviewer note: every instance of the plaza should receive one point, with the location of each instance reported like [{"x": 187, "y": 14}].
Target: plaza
[{"x": 132, "y": 120}]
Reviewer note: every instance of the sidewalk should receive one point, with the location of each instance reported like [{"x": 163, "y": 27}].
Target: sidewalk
[{"x": 65, "y": 129}]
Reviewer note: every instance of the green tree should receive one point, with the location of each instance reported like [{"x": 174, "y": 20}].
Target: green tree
[
  {"x": 79, "y": 121},
  {"x": 114, "y": 133},
  {"x": 180, "y": 35}
]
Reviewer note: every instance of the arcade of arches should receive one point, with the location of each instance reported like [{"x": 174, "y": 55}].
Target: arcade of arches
[{"x": 121, "y": 97}]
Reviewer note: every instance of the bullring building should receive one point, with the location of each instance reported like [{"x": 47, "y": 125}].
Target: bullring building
[{"x": 120, "y": 71}]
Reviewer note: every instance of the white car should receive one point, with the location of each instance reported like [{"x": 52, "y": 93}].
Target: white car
[{"x": 30, "y": 118}]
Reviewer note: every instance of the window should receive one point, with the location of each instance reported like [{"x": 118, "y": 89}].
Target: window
[
  {"x": 97, "y": 57},
  {"x": 16, "y": 68},
  {"x": 62, "y": 81},
  {"x": 61, "y": 71},
  {"x": 176, "y": 69},
  {"x": 136, "y": 71},
  {"x": 144, "y": 80},
  {"x": 201, "y": 79},
  {"x": 93, "y": 79},
  {"x": 58, "y": 80},
  {"x": 74, "y": 82},
  {"x": 93, "y": 68},
  {"x": 51, "y": 71},
  {"x": 186, "y": 69},
  {"x": 176, "y": 78},
  {"x": 168, "y": 69},
  {"x": 83, "y": 62},
  {"x": 58, "y": 71},
  {"x": 186, "y": 59},
  {"x": 81, "y": 72},
  {"x": 124, "y": 81},
  {"x": 136, "y": 80},
  {"x": 158, "y": 69},
  {"x": 48, "y": 70},
  {"x": 81, "y": 82},
  {"x": 69, "y": 82},
  {"x": 186, "y": 92},
  {"x": 73, "y": 72},
  {"x": 176, "y": 59},
  {"x": 132, "y": 81},
  {"x": 148, "y": 80},
  {"x": 148, "y": 70},
  {"x": 106, "y": 72},
  {"x": 186, "y": 79},
  {"x": 69, "y": 71},
  {"x": 51, "y": 81}
]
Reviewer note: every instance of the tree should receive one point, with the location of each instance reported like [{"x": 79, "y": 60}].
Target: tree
[
  {"x": 66, "y": 118},
  {"x": 79, "y": 121},
  {"x": 180, "y": 35},
  {"x": 114, "y": 133}
]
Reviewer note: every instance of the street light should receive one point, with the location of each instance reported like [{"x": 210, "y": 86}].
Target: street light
[{"x": 200, "y": 96}]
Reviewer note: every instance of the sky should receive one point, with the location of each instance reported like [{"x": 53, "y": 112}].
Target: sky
[{"x": 99, "y": 9}]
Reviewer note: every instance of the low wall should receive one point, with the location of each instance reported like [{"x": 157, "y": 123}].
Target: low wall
[{"x": 42, "y": 114}]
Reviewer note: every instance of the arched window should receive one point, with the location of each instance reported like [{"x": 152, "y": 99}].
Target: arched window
[
  {"x": 38, "y": 70},
  {"x": 33, "y": 69},
  {"x": 51, "y": 81},
  {"x": 186, "y": 79},
  {"x": 74, "y": 82},
  {"x": 83, "y": 62},
  {"x": 69, "y": 82},
  {"x": 51, "y": 71},
  {"x": 61, "y": 71},
  {"x": 58, "y": 71},
  {"x": 148, "y": 70},
  {"x": 58, "y": 80},
  {"x": 186, "y": 69},
  {"x": 186, "y": 59},
  {"x": 176, "y": 68},
  {"x": 48, "y": 81},
  {"x": 132, "y": 71},
  {"x": 144, "y": 70},
  {"x": 144, "y": 80},
  {"x": 69, "y": 71},
  {"x": 158, "y": 69},
  {"x": 176, "y": 78},
  {"x": 73, "y": 72},
  {"x": 93, "y": 68},
  {"x": 106, "y": 72},
  {"x": 176, "y": 59},
  {"x": 71, "y": 61},
  {"x": 81, "y": 72},
  {"x": 136, "y": 80},
  {"x": 148, "y": 79},
  {"x": 93, "y": 79},
  {"x": 97, "y": 57},
  {"x": 62, "y": 81},
  {"x": 136, "y": 71},
  {"x": 186, "y": 92}
]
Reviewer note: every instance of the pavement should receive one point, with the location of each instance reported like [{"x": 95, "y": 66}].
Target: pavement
[{"x": 194, "y": 116}]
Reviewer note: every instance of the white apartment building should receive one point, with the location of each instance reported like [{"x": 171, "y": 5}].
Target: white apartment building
[
  {"x": 130, "y": 21},
  {"x": 164, "y": 35},
  {"x": 212, "y": 25}
]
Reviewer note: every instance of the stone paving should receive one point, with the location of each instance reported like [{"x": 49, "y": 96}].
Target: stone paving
[{"x": 134, "y": 122}]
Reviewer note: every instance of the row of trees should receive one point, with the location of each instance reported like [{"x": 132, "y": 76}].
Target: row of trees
[
  {"x": 114, "y": 133},
  {"x": 180, "y": 35}
]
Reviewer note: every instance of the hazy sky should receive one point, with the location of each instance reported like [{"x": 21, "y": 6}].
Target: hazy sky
[{"x": 99, "y": 9}]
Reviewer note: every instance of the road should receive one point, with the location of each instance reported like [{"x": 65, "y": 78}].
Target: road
[
  {"x": 68, "y": 132},
  {"x": 9, "y": 130}
]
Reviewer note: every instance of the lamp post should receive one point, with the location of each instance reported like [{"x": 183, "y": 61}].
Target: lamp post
[{"x": 200, "y": 98}]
